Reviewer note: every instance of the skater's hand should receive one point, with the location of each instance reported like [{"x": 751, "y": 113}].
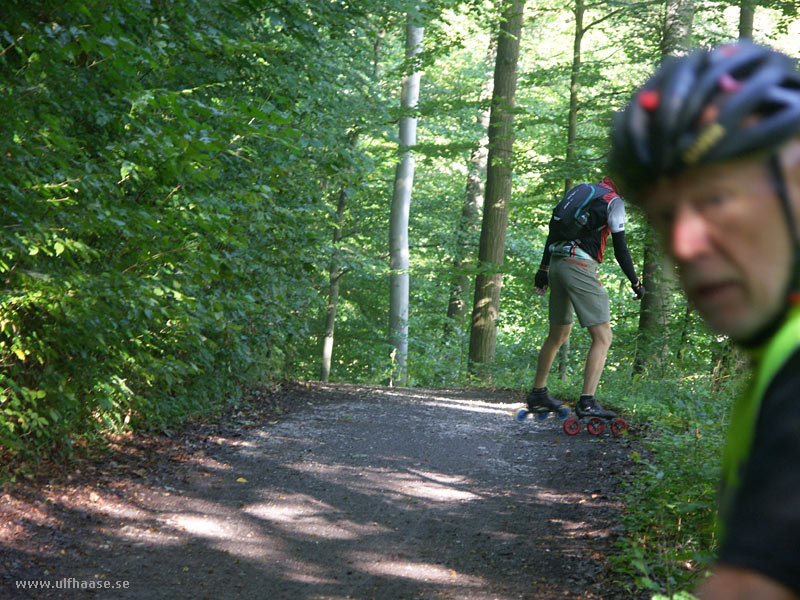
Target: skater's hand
[
  {"x": 638, "y": 289},
  {"x": 541, "y": 282}
]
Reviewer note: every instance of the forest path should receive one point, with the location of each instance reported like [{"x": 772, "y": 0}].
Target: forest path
[{"x": 358, "y": 492}]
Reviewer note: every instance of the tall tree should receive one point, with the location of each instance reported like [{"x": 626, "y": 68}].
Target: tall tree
[
  {"x": 401, "y": 201},
  {"x": 473, "y": 202},
  {"x": 572, "y": 133},
  {"x": 483, "y": 336},
  {"x": 335, "y": 273},
  {"x": 335, "y": 270},
  {"x": 574, "y": 86},
  {"x": 657, "y": 302}
]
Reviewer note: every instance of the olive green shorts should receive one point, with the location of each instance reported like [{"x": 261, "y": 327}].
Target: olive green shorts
[{"x": 574, "y": 284}]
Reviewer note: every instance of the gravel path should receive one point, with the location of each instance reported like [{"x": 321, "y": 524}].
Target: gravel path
[{"x": 359, "y": 492}]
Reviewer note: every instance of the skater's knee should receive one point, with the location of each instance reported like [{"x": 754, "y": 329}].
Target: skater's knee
[
  {"x": 558, "y": 334},
  {"x": 601, "y": 334}
]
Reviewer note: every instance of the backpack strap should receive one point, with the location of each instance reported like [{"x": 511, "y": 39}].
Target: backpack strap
[{"x": 592, "y": 196}]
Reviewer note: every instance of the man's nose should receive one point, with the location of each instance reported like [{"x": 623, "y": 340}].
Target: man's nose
[{"x": 690, "y": 234}]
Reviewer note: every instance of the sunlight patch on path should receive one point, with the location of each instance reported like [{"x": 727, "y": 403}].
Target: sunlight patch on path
[
  {"x": 421, "y": 485},
  {"x": 417, "y": 571},
  {"x": 305, "y": 515}
]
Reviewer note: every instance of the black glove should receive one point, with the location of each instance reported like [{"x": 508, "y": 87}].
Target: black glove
[
  {"x": 638, "y": 289},
  {"x": 541, "y": 280}
]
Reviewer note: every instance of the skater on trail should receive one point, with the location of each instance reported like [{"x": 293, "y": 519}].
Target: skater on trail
[
  {"x": 710, "y": 147},
  {"x": 575, "y": 246}
]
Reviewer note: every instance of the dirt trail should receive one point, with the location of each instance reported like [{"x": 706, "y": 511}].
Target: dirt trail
[{"x": 359, "y": 492}]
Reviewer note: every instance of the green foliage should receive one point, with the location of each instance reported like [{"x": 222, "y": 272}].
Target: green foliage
[
  {"x": 163, "y": 219},
  {"x": 170, "y": 175},
  {"x": 671, "y": 500}
]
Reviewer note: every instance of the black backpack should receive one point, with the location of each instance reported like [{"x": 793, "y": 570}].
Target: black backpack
[{"x": 571, "y": 216}]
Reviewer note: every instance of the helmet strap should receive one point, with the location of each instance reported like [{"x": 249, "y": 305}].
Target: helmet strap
[{"x": 779, "y": 184}]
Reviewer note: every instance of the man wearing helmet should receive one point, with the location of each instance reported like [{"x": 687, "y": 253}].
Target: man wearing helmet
[{"x": 710, "y": 148}]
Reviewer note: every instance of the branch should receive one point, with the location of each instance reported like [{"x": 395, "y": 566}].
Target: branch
[
  {"x": 601, "y": 19},
  {"x": 10, "y": 46},
  {"x": 153, "y": 257}
]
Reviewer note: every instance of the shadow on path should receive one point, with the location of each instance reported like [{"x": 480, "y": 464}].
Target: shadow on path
[{"x": 374, "y": 493}]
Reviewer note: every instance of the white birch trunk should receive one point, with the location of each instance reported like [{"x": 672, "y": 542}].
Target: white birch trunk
[{"x": 401, "y": 206}]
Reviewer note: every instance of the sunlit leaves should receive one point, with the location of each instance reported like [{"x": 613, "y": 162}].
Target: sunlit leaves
[{"x": 161, "y": 219}]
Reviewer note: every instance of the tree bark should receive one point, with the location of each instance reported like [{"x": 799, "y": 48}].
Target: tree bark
[
  {"x": 655, "y": 309},
  {"x": 483, "y": 336},
  {"x": 401, "y": 207},
  {"x": 747, "y": 13},
  {"x": 677, "y": 38}
]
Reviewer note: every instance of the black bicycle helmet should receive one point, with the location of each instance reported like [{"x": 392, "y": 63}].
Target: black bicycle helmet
[
  {"x": 732, "y": 101},
  {"x": 708, "y": 106}
]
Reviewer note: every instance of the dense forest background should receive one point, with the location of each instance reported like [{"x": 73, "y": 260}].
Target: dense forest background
[{"x": 196, "y": 197}]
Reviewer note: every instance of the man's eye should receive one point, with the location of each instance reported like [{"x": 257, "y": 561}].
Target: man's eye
[{"x": 714, "y": 200}]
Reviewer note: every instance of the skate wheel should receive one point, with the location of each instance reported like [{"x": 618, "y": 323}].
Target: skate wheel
[
  {"x": 541, "y": 415},
  {"x": 595, "y": 426},
  {"x": 563, "y": 413},
  {"x": 572, "y": 426},
  {"x": 618, "y": 426},
  {"x": 521, "y": 415}
]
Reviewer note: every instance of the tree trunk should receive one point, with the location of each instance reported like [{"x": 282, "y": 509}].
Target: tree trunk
[
  {"x": 401, "y": 206},
  {"x": 747, "y": 12},
  {"x": 677, "y": 38},
  {"x": 333, "y": 295},
  {"x": 655, "y": 309},
  {"x": 468, "y": 225},
  {"x": 684, "y": 338},
  {"x": 335, "y": 272},
  {"x": 574, "y": 87},
  {"x": 483, "y": 335},
  {"x": 656, "y": 305},
  {"x": 572, "y": 134}
]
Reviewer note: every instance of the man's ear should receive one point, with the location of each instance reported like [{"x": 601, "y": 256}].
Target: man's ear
[
  {"x": 790, "y": 162},
  {"x": 790, "y": 154}
]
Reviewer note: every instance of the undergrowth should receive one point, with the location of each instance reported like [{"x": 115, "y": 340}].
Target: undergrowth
[{"x": 671, "y": 499}]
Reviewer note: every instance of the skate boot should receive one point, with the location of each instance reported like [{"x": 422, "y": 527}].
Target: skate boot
[
  {"x": 539, "y": 399},
  {"x": 588, "y": 406},
  {"x": 540, "y": 404}
]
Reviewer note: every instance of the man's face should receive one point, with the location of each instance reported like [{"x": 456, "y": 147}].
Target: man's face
[{"x": 725, "y": 230}]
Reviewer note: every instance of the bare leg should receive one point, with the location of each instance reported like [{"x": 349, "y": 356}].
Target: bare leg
[
  {"x": 557, "y": 335},
  {"x": 596, "y": 359}
]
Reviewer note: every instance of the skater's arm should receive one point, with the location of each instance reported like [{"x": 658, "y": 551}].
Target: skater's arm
[
  {"x": 545, "y": 264},
  {"x": 616, "y": 224},
  {"x": 735, "y": 583},
  {"x": 623, "y": 256},
  {"x": 542, "y": 279}
]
